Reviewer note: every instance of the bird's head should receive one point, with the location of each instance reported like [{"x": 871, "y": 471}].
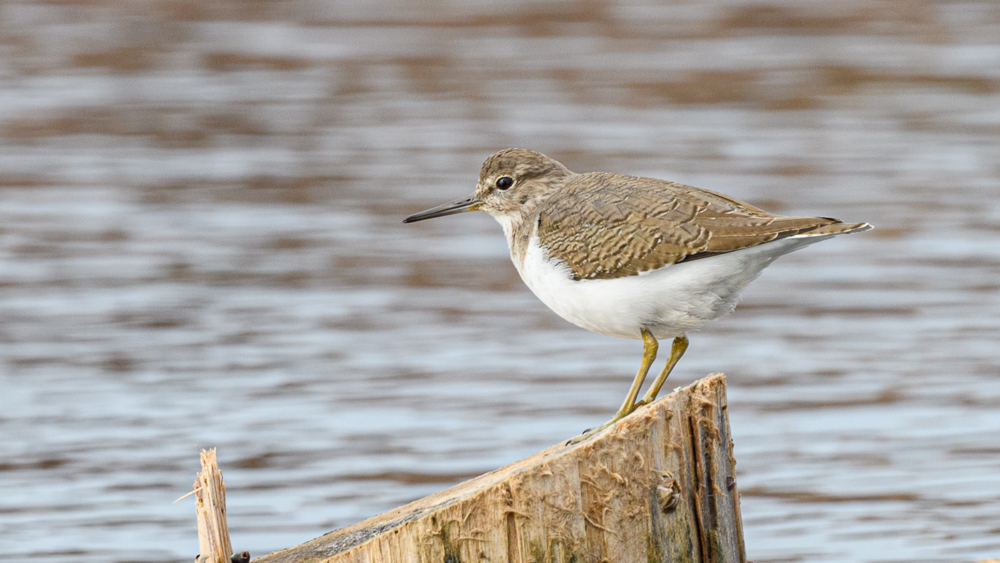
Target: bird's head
[{"x": 509, "y": 181}]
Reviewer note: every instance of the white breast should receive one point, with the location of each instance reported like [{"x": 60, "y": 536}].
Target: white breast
[{"x": 668, "y": 302}]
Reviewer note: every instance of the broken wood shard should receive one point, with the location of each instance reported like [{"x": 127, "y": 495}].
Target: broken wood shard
[
  {"x": 210, "y": 506},
  {"x": 658, "y": 486}
]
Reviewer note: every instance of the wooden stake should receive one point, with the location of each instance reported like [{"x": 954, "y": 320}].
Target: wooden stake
[
  {"x": 657, "y": 486},
  {"x": 210, "y": 506}
]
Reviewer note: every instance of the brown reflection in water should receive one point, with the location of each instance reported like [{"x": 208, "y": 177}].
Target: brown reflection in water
[
  {"x": 491, "y": 275},
  {"x": 885, "y": 18},
  {"x": 810, "y": 496}
]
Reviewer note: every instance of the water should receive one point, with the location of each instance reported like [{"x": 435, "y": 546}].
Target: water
[{"x": 201, "y": 246}]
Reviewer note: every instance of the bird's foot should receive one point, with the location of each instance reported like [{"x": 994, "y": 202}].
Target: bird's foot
[{"x": 590, "y": 432}]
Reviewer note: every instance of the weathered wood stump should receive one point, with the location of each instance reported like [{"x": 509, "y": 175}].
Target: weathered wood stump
[{"x": 657, "y": 486}]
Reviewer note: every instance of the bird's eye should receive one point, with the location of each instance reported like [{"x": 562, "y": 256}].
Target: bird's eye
[{"x": 504, "y": 182}]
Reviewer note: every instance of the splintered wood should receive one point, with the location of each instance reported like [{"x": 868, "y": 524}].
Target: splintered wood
[
  {"x": 657, "y": 486},
  {"x": 210, "y": 506}
]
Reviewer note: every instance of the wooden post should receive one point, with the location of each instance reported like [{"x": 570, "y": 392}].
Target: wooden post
[
  {"x": 210, "y": 506},
  {"x": 658, "y": 486}
]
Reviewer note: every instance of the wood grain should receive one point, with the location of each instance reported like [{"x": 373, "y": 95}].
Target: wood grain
[{"x": 659, "y": 486}]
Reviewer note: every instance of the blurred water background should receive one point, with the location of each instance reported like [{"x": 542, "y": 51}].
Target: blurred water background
[{"x": 201, "y": 246}]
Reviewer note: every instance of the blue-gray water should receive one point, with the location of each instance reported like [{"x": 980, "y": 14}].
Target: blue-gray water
[{"x": 201, "y": 246}]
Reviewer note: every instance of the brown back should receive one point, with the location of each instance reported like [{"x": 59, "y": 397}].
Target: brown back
[{"x": 612, "y": 225}]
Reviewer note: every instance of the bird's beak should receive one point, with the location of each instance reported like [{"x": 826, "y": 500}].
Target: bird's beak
[{"x": 470, "y": 203}]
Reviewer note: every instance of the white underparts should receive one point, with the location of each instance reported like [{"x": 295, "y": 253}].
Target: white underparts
[{"x": 668, "y": 302}]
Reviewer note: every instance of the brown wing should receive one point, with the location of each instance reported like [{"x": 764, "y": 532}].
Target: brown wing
[{"x": 611, "y": 225}]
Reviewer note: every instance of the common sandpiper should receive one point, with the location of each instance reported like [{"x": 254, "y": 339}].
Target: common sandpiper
[{"x": 628, "y": 256}]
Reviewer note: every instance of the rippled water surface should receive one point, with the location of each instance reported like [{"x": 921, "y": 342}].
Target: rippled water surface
[{"x": 201, "y": 246}]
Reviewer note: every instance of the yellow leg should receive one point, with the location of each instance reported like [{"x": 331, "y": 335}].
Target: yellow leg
[
  {"x": 649, "y": 348},
  {"x": 677, "y": 350}
]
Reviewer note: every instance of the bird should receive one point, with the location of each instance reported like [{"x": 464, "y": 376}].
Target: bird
[{"x": 629, "y": 256}]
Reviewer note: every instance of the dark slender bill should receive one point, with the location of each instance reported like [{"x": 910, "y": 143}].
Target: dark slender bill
[{"x": 470, "y": 203}]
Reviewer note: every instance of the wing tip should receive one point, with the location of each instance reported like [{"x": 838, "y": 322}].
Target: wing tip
[{"x": 837, "y": 228}]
